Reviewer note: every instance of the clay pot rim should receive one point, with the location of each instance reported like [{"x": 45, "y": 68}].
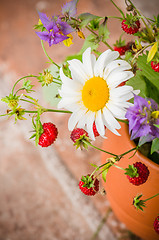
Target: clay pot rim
[{"x": 138, "y": 153}]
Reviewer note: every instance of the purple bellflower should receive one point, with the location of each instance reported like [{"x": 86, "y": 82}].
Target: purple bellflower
[
  {"x": 70, "y": 9},
  {"x": 142, "y": 116},
  {"x": 56, "y": 30}
]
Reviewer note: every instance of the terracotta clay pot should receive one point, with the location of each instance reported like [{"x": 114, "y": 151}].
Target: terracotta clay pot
[{"x": 120, "y": 191}]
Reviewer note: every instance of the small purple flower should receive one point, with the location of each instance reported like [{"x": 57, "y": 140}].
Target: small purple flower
[
  {"x": 142, "y": 116},
  {"x": 70, "y": 8},
  {"x": 56, "y": 30}
]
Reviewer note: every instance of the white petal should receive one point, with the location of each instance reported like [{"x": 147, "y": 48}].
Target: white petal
[
  {"x": 104, "y": 59},
  {"x": 99, "y": 123},
  {"x": 122, "y": 98},
  {"x": 89, "y": 62},
  {"x": 117, "y": 111},
  {"x": 112, "y": 129},
  {"x": 78, "y": 71},
  {"x": 64, "y": 102},
  {"x": 90, "y": 117},
  {"x": 110, "y": 118},
  {"x": 116, "y": 64},
  {"x": 117, "y": 77},
  {"x": 120, "y": 91},
  {"x": 73, "y": 120}
]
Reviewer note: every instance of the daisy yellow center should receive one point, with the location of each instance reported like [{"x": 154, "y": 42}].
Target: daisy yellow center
[{"x": 95, "y": 93}]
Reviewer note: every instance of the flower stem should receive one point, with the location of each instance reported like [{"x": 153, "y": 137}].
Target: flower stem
[
  {"x": 48, "y": 55},
  {"x": 20, "y": 80},
  {"x": 48, "y": 110}
]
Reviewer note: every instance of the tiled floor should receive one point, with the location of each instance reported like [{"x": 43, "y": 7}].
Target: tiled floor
[{"x": 39, "y": 196}]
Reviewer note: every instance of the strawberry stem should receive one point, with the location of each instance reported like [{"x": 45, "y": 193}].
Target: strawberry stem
[
  {"x": 20, "y": 80},
  {"x": 151, "y": 197},
  {"x": 118, "y": 9}
]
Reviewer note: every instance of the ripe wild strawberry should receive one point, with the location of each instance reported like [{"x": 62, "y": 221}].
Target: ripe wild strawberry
[
  {"x": 121, "y": 49},
  {"x": 49, "y": 134},
  {"x": 120, "y": 46},
  {"x": 130, "y": 27},
  {"x": 155, "y": 66},
  {"x": 89, "y": 185},
  {"x": 137, "y": 173},
  {"x": 77, "y": 133},
  {"x": 156, "y": 224}
]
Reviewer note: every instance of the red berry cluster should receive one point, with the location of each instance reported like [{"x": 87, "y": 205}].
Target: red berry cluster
[
  {"x": 155, "y": 66},
  {"x": 87, "y": 190},
  {"x": 121, "y": 49},
  {"x": 142, "y": 174},
  {"x": 132, "y": 28},
  {"x": 77, "y": 133},
  {"x": 49, "y": 134},
  {"x": 156, "y": 224}
]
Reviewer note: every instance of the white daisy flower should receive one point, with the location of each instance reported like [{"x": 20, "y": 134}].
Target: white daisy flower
[{"x": 93, "y": 93}]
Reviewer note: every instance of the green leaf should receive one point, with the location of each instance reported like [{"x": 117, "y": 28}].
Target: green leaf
[
  {"x": 103, "y": 31},
  {"x": 105, "y": 170},
  {"x": 90, "y": 41},
  {"x": 152, "y": 52},
  {"x": 145, "y": 77},
  {"x": 93, "y": 165},
  {"x": 155, "y": 145},
  {"x": 86, "y": 18}
]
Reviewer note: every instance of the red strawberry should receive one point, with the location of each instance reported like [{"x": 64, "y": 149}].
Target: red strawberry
[
  {"x": 121, "y": 49},
  {"x": 49, "y": 134},
  {"x": 155, "y": 66},
  {"x": 77, "y": 133},
  {"x": 88, "y": 185},
  {"x": 137, "y": 173},
  {"x": 156, "y": 224},
  {"x": 96, "y": 133},
  {"x": 130, "y": 28}
]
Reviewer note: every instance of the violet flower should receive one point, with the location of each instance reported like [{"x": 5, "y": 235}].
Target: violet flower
[
  {"x": 70, "y": 9},
  {"x": 142, "y": 116},
  {"x": 56, "y": 30}
]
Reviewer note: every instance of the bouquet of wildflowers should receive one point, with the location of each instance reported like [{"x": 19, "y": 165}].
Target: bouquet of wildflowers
[{"x": 99, "y": 89}]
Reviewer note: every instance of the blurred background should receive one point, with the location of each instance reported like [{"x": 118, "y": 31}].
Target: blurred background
[{"x": 39, "y": 195}]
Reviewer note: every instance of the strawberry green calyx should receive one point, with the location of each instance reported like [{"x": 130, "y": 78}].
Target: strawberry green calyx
[
  {"x": 139, "y": 203},
  {"x": 89, "y": 185},
  {"x": 82, "y": 142},
  {"x": 80, "y": 138},
  {"x": 131, "y": 171}
]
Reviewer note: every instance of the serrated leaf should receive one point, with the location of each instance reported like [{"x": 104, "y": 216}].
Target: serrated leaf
[
  {"x": 144, "y": 77},
  {"x": 90, "y": 41},
  {"x": 155, "y": 145},
  {"x": 152, "y": 52}
]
